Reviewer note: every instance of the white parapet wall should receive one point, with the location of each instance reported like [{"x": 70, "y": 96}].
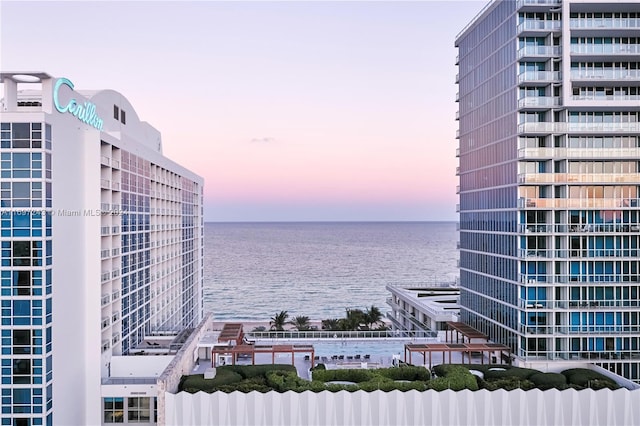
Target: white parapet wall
[
  {"x": 464, "y": 408},
  {"x": 182, "y": 364}
]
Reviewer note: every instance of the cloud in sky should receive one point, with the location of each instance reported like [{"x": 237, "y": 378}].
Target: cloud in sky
[
  {"x": 263, "y": 140},
  {"x": 348, "y": 107}
]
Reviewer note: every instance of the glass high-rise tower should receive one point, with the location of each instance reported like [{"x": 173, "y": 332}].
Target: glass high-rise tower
[{"x": 549, "y": 169}]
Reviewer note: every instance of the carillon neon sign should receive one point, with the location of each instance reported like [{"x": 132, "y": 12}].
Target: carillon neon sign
[{"x": 85, "y": 112}]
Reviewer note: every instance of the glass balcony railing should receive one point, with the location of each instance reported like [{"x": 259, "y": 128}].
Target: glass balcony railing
[
  {"x": 578, "y": 178},
  {"x": 597, "y": 177},
  {"x": 538, "y": 51},
  {"x": 597, "y": 329},
  {"x": 539, "y": 101},
  {"x": 531, "y": 24},
  {"x": 621, "y": 23},
  {"x": 542, "y": 127},
  {"x": 596, "y": 97},
  {"x": 612, "y": 74},
  {"x": 579, "y": 203},
  {"x": 596, "y": 253},
  {"x": 579, "y": 355},
  {"x": 579, "y": 280},
  {"x": 582, "y": 304},
  {"x": 532, "y": 76},
  {"x": 545, "y": 127},
  {"x": 535, "y": 253},
  {"x": 604, "y": 49},
  {"x": 621, "y": 153},
  {"x": 600, "y": 127},
  {"x": 535, "y": 228},
  {"x": 536, "y": 177},
  {"x": 536, "y": 152}
]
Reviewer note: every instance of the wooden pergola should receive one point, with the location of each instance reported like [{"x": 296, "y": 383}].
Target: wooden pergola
[
  {"x": 261, "y": 349},
  {"x": 231, "y": 332},
  {"x": 465, "y": 330},
  {"x": 463, "y": 348}
]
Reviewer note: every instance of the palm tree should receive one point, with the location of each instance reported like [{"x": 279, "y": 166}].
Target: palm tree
[
  {"x": 301, "y": 323},
  {"x": 372, "y": 316},
  {"x": 278, "y": 321},
  {"x": 331, "y": 324},
  {"x": 353, "y": 319}
]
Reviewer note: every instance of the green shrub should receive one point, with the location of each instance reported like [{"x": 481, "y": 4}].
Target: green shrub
[
  {"x": 354, "y": 375},
  {"x": 283, "y": 381},
  {"x": 319, "y": 367},
  {"x": 520, "y": 373},
  {"x": 507, "y": 383},
  {"x": 248, "y": 371},
  {"x": 198, "y": 382},
  {"x": 454, "y": 377},
  {"x": 439, "y": 384},
  {"x": 244, "y": 387},
  {"x": 334, "y": 387},
  {"x": 588, "y": 378},
  {"x": 548, "y": 380},
  {"x": 405, "y": 373},
  {"x": 597, "y": 384}
]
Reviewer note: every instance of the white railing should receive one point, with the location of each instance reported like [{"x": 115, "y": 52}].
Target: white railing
[{"x": 340, "y": 334}]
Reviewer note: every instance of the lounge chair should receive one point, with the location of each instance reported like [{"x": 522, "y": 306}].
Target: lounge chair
[
  {"x": 341, "y": 357},
  {"x": 349, "y": 356},
  {"x": 358, "y": 356},
  {"x": 306, "y": 357},
  {"x": 316, "y": 358},
  {"x": 367, "y": 356}
]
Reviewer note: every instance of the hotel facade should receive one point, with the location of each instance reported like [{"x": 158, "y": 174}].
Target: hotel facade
[
  {"x": 102, "y": 244},
  {"x": 549, "y": 174}
]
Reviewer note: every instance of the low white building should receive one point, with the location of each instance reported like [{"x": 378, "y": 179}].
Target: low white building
[{"x": 423, "y": 307}]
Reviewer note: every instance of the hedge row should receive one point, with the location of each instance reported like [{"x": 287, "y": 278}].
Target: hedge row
[
  {"x": 245, "y": 378},
  {"x": 282, "y": 378}
]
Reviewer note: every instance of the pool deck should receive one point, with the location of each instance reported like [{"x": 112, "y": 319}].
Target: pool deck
[{"x": 375, "y": 361}]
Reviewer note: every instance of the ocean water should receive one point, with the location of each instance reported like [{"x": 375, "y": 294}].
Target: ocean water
[{"x": 254, "y": 270}]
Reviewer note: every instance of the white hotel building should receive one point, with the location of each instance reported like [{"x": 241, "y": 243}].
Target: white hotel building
[
  {"x": 102, "y": 244},
  {"x": 549, "y": 151}
]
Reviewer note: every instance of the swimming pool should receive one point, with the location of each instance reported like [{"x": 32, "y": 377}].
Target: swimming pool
[{"x": 348, "y": 348}]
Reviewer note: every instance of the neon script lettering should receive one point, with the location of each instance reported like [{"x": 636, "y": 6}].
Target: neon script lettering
[{"x": 85, "y": 113}]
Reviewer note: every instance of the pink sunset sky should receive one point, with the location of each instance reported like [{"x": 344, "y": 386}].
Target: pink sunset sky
[{"x": 291, "y": 111}]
